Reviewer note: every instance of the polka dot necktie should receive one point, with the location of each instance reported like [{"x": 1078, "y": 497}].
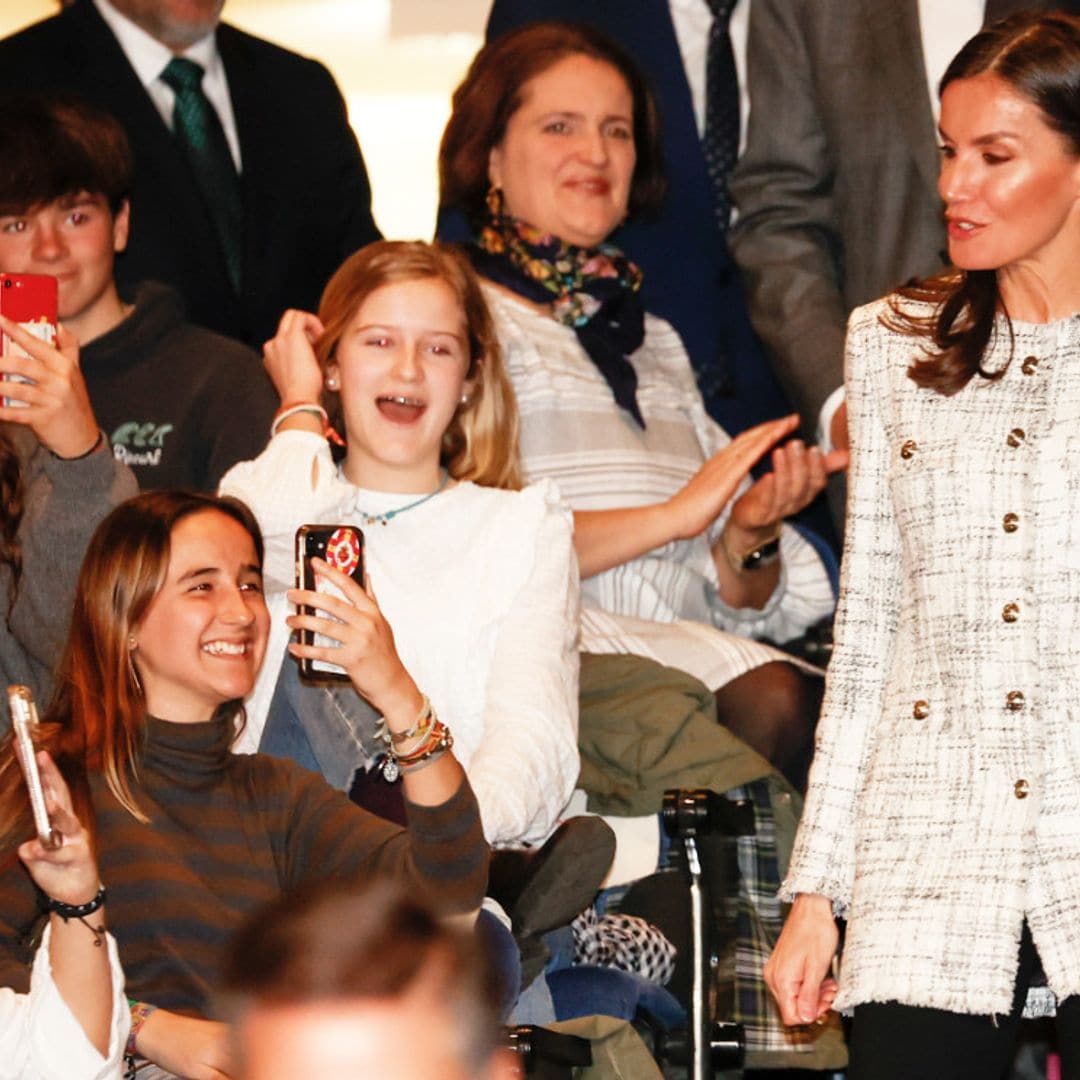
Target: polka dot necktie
[
  {"x": 198, "y": 129},
  {"x": 721, "y": 141}
]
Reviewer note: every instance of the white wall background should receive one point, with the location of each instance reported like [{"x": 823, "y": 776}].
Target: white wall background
[{"x": 397, "y": 63}]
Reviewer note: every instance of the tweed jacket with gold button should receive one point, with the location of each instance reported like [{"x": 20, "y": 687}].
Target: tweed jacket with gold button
[{"x": 944, "y": 802}]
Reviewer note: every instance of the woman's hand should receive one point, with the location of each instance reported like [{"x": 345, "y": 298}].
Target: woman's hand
[
  {"x": 367, "y": 651},
  {"x": 797, "y": 972},
  {"x": 697, "y": 505},
  {"x": 290, "y": 358},
  {"x": 186, "y": 1046},
  {"x": 798, "y": 474},
  {"x": 56, "y": 406},
  {"x": 68, "y": 873}
]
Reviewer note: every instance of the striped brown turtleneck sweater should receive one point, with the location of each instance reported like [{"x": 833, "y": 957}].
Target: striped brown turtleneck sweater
[{"x": 228, "y": 833}]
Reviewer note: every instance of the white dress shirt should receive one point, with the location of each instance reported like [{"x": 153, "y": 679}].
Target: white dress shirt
[
  {"x": 148, "y": 57},
  {"x": 945, "y": 28},
  {"x": 692, "y": 20}
]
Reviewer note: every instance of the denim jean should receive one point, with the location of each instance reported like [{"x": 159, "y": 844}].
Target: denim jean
[{"x": 326, "y": 727}]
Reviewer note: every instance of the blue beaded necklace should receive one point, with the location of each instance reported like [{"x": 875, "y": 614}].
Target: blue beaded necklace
[{"x": 389, "y": 515}]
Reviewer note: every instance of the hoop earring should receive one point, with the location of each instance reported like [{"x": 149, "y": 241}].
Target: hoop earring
[{"x": 494, "y": 201}]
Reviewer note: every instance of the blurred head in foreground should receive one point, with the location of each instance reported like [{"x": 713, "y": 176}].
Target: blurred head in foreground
[{"x": 361, "y": 983}]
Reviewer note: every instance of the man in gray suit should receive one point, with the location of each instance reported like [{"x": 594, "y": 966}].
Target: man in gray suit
[{"x": 837, "y": 188}]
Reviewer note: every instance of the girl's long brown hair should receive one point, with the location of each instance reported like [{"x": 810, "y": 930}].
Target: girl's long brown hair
[
  {"x": 97, "y": 719},
  {"x": 1038, "y": 56}
]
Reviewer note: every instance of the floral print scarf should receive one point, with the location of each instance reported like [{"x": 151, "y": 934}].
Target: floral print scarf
[{"x": 593, "y": 290}]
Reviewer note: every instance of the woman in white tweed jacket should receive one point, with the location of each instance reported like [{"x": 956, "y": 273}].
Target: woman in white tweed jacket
[{"x": 943, "y": 817}]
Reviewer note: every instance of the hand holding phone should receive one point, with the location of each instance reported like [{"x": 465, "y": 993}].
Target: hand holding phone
[
  {"x": 67, "y": 872},
  {"x": 31, "y": 301},
  {"x": 342, "y": 546},
  {"x": 25, "y": 721},
  {"x": 41, "y": 385}
]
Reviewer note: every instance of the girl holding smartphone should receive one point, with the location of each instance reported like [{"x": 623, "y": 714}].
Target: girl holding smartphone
[
  {"x": 167, "y": 636},
  {"x": 471, "y": 606}
]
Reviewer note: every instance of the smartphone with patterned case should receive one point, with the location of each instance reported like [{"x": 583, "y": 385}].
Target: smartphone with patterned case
[
  {"x": 342, "y": 546},
  {"x": 31, "y": 301}
]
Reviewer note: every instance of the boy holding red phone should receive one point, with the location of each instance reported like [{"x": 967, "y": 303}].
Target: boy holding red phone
[{"x": 179, "y": 404}]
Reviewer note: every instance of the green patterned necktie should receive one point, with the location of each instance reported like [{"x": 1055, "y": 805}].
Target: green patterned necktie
[{"x": 198, "y": 128}]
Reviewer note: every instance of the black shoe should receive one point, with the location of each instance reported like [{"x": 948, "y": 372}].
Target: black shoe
[{"x": 563, "y": 877}]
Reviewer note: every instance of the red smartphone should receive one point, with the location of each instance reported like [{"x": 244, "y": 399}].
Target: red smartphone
[
  {"x": 31, "y": 301},
  {"x": 342, "y": 546},
  {"x": 24, "y": 721}
]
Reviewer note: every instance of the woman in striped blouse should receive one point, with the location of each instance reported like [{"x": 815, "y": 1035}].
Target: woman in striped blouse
[{"x": 552, "y": 141}]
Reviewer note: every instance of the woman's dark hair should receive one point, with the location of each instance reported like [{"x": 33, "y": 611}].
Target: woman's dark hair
[
  {"x": 492, "y": 92},
  {"x": 97, "y": 718},
  {"x": 1038, "y": 56},
  {"x": 55, "y": 145}
]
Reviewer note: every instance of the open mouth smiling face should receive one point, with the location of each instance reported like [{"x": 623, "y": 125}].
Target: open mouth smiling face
[{"x": 401, "y": 365}]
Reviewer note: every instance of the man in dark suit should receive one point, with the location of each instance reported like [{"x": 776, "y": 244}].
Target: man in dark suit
[
  {"x": 297, "y": 200},
  {"x": 690, "y": 277},
  {"x": 837, "y": 187}
]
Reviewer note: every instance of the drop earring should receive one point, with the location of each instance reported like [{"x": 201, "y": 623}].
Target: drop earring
[
  {"x": 494, "y": 201},
  {"x": 132, "y": 646}
]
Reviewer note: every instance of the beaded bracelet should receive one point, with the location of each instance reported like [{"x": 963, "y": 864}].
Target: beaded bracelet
[
  {"x": 140, "y": 1013},
  {"x": 437, "y": 742}
]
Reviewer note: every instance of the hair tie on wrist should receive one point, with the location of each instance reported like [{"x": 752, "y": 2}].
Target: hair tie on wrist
[
  {"x": 86, "y": 453},
  {"x": 294, "y": 408}
]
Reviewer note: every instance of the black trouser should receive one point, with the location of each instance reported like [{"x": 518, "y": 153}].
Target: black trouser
[{"x": 903, "y": 1042}]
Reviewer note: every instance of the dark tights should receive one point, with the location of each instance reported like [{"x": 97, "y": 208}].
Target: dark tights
[
  {"x": 901, "y": 1042},
  {"x": 774, "y": 709}
]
